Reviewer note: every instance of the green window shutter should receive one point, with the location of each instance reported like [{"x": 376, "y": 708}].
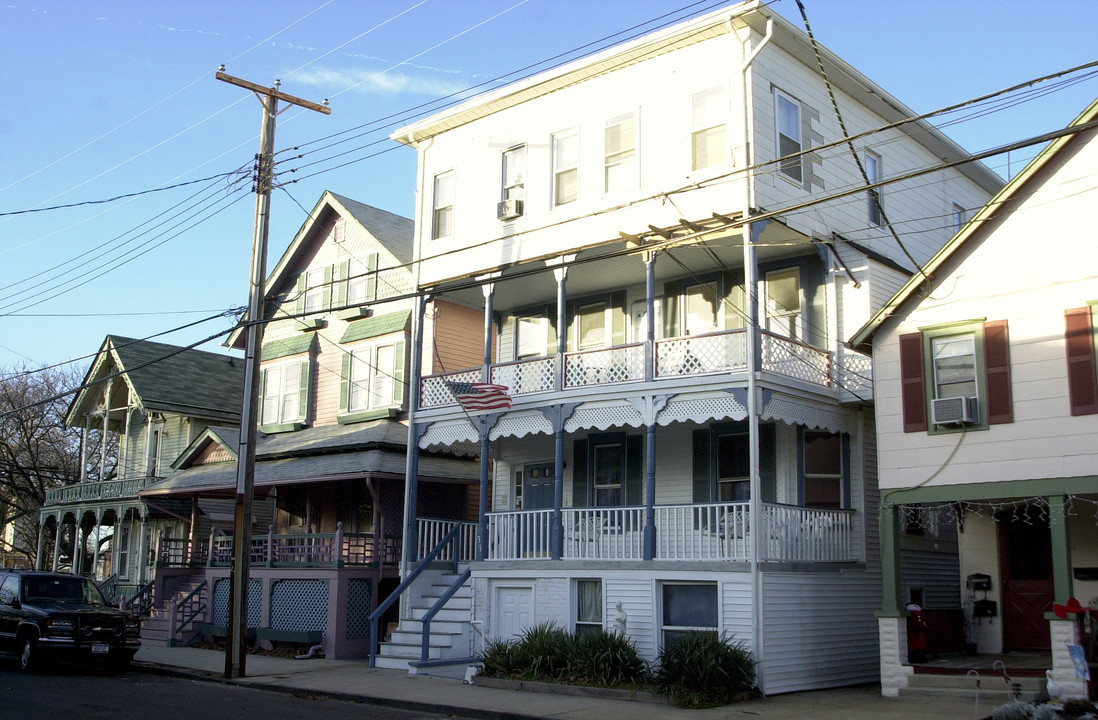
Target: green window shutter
[
  {"x": 299, "y": 302},
  {"x": 571, "y": 341},
  {"x": 702, "y": 467},
  {"x": 671, "y": 299},
  {"x": 345, "y": 384},
  {"x": 551, "y": 340},
  {"x": 343, "y": 271},
  {"x": 371, "y": 278},
  {"x": 619, "y": 315},
  {"x": 735, "y": 305},
  {"x": 768, "y": 463},
  {"x": 634, "y": 470},
  {"x": 303, "y": 400},
  {"x": 580, "y": 487},
  {"x": 326, "y": 301},
  {"x": 398, "y": 373}
]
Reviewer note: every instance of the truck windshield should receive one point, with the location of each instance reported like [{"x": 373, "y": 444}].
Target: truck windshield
[{"x": 61, "y": 590}]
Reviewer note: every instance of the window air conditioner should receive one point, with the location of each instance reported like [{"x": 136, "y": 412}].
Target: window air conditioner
[
  {"x": 954, "y": 410},
  {"x": 509, "y": 209}
]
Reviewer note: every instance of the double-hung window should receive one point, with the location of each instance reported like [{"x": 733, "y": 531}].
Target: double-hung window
[
  {"x": 875, "y": 196},
  {"x": 709, "y": 139},
  {"x": 959, "y": 218},
  {"x": 361, "y": 280},
  {"x": 954, "y": 365},
  {"x": 565, "y": 167},
  {"x": 700, "y": 308},
  {"x": 687, "y": 608},
  {"x": 733, "y": 468},
  {"x": 790, "y": 140},
  {"x": 315, "y": 288},
  {"x": 621, "y": 153},
  {"x": 514, "y": 173},
  {"x": 589, "y": 605},
  {"x": 591, "y": 326},
  {"x": 282, "y": 392},
  {"x": 609, "y": 473},
  {"x": 531, "y": 336},
  {"x": 442, "y": 222},
  {"x": 372, "y": 376},
  {"x": 823, "y": 469},
  {"x": 783, "y": 303}
]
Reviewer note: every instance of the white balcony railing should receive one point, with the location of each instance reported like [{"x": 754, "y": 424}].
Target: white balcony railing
[
  {"x": 795, "y": 359},
  {"x": 523, "y": 377},
  {"x": 698, "y": 532},
  {"x": 606, "y": 365},
  {"x": 91, "y": 491},
  {"x": 699, "y": 354}
]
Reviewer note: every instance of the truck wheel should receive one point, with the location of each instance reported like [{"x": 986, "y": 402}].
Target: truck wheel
[{"x": 28, "y": 653}]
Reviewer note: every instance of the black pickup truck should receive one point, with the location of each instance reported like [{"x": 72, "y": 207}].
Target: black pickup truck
[{"x": 46, "y": 615}]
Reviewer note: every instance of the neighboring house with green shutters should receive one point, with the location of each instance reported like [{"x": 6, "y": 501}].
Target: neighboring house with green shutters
[{"x": 331, "y": 452}]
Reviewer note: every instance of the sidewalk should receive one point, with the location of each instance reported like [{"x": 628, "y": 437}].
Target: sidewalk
[{"x": 357, "y": 681}]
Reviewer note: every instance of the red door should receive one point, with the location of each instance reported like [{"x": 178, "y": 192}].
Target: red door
[{"x": 1025, "y": 551}]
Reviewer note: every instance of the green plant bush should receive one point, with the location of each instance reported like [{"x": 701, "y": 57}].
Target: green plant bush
[
  {"x": 542, "y": 652},
  {"x": 606, "y": 660},
  {"x": 546, "y": 653},
  {"x": 704, "y": 669}
]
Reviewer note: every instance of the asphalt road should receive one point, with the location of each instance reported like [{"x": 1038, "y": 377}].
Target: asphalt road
[{"x": 83, "y": 693}]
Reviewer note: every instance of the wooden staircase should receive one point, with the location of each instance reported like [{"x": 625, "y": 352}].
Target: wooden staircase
[
  {"x": 451, "y": 628},
  {"x": 160, "y": 626}
]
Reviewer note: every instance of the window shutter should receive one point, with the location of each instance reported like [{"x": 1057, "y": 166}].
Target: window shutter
[
  {"x": 913, "y": 382},
  {"x": 345, "y": 384},
  {"x": 571, "y": 335},
  {"x": 371, "y": 277},
  {"x": 634, "y": 470},
  {"x": 580, "y": 486},
  {"x": 768, "y": 462},
  {"x": 551, "y": 339},
  {"x": 1082, "y": 381},
  {"x": 671, "y": 293},
  {"x": 303, "y": 398},
  {"x": 703, "y": 476},
  {"x": 735, "y": 308},
  {"x": 618, "y": 317},
  {"x": 1000, "y": 406},
  {"x": 326, "y": 298},
  {"x": 398, "y": 373},
  {"x": 299, "y": 301},
  {"x": 343, "y": 271}
]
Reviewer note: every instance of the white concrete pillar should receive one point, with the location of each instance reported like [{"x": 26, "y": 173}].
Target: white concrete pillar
[
  {"x": 893, "y": 644},
  {"x": 1066, "y": 632}
]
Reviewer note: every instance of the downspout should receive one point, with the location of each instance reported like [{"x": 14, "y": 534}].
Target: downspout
[{"x": 751, "y": 286}]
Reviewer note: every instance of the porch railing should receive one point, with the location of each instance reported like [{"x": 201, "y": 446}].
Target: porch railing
[
  {"x": 699, "y": 354},
  {"x": 603, "y": 366},
  {"x": 435, "y": 389},
  {"x": 698, "y": 532},
  {"x": 336, "y": 549},
  {"x": 106, "y": 490},
  {"x": 431, "y": 531},
  {"x": 795, "y": 359},
  {"x": 523, "y": 377}
]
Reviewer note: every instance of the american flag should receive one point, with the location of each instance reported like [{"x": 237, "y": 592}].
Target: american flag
[{"x": 481, "y": 396}]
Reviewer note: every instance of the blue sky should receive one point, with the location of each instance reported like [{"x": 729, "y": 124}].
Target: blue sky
[{"x": 101, "y": 98}]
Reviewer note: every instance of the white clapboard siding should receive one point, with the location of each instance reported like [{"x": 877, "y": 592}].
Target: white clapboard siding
[{"x": 636, "y": 597}]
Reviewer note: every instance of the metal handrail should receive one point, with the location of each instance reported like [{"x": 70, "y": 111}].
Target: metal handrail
[
  {"x": 416, "y": 572},
  {"x": 425, "y": 639}
]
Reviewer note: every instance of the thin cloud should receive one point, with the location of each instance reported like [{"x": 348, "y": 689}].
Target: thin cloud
[{"x": 375, "y": 82}]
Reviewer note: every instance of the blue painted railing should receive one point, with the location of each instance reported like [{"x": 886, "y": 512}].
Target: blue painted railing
[{"x": 425, "y": 641}]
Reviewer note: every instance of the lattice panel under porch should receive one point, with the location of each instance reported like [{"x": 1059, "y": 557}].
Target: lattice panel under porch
[
  {"x": 520, "y": 424},
  {"x": 448, "y": 433},
  {"x": 221, "y": 590},
  {"x": 702, "y": 410},
  {"x": 811, "y": 416},
  {"x": 299, "y": 605},
  {"x": 359, "y": 593}
]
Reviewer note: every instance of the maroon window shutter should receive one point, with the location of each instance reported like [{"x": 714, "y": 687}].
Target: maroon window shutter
[
  {"x": 913, "y": 382},
  {"x": 1082, "y": 381},
  {"x": 1000, "y": 405}
]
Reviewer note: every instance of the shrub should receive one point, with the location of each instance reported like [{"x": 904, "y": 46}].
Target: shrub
[
  {"x": 605, "y": 659},
  {"x": 1014, "y": 710},
  {"x": 541, "y": 653},
  {"x": 704, "y": 670},
  {"x": 499, "y": 659}
]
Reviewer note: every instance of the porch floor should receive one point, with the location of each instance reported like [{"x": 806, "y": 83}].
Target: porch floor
[{"x": 1018, "y": 664}]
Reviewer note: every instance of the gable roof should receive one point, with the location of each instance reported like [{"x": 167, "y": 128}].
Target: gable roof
[
  {"x": 862, "y": 339},
  {"x": 167, "y": 378}
]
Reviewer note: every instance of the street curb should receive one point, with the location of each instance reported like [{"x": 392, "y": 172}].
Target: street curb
[{"x": 399, "y": 704}]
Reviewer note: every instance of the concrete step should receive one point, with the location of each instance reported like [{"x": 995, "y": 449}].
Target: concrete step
[
  {"x": 448, "y": 613},
  {"x": 987, "y": 681},
  {"x": 437, "y": 626},
  {"x": 393, "y": 663},
  {"x": 407, "y": 651},
  {"x": 400, "y": 637}
]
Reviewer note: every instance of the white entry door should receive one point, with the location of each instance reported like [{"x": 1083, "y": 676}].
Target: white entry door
[{"x": 513, "y": 611}]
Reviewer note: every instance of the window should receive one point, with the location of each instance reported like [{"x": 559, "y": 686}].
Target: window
[
  {"x": 339, "y": 231},
  {"x": 442, "y": 224},
  {"x": 124, "y": 552},
  {"x": 282, "y": 392},
  {"x": 514, "y": 173},
  {"x": 372, "y": 375},
  {"x": 700, "y": 308},
  {"x": 823, "y": 470},
  {"x": 621, "y": 153},
  {"x": 588, "y": 607},
  {"x": 518, "y": 490},
  {"x": 531, "y": 336},
  {"x": 9, "y": 590},
  {"x": 361, "y": 280},
  {"x": 954, "y": 365},
  {"x": 315, "y": 287},
  {"x": 960, "y": 217},
  {"x": 789, "y": 135},
  {"x": 591, "y": 326},
  {"x": 156, "y": 433},
  {"x": 709, "y": 141},
  {"x": 962, "y": 359},
  {"x": 783, "y": 303},
  {"x": 875, "y": 197},
  {"x": 565, "y": 167},
  {"x": 733, "y": 468},
  {"x": 609, "y": 472},
  {"x": 688, "y": 608}
]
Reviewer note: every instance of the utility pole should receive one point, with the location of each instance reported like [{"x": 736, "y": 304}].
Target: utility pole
[{"x": 235, "y": 653}]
